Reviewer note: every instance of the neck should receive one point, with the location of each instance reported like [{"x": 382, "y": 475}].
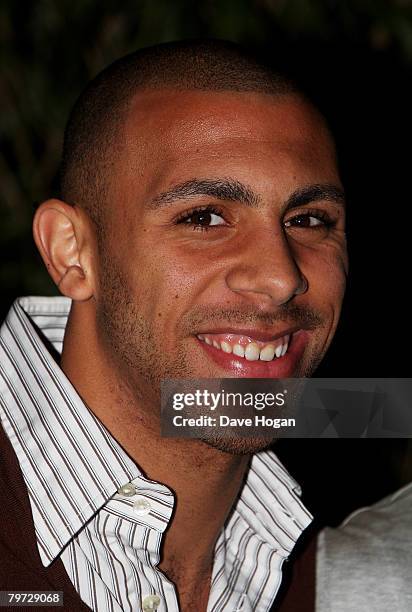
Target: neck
[{"x": 205, "y": 480}]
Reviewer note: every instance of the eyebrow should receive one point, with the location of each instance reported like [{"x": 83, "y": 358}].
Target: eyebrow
[
  {"x": 232, "y": 190},
  {"x": 314, "y": 193},
  {"x": 222, "y": 189}
]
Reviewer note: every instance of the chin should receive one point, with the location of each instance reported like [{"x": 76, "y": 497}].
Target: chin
[{"x": 235, "y": 445}]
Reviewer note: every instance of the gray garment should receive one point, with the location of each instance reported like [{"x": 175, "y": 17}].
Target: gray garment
[{"x": 365, "y": 565}]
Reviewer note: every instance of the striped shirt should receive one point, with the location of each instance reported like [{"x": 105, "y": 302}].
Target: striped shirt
[{"x": 94, "y": 508}]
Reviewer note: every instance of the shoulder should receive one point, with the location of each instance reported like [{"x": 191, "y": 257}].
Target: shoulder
[{"x": 366, "y": 563}]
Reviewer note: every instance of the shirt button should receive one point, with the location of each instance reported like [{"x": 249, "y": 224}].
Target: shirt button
[
  {"x": 127, "y": 490},
  {"x": 142, "y": 506},
  {"x": 151, "y": 602}
]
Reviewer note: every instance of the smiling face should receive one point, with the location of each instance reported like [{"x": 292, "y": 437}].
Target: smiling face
[{"x": 224, "y": 253}]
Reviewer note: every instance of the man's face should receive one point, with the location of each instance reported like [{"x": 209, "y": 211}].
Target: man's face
[{"x": 225, "y": 242}]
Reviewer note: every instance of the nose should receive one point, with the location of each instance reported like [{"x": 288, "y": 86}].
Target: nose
[{"x": 265, "y": 266}]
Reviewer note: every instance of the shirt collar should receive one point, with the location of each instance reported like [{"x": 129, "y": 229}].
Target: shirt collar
[{"x": 70, "y": 462}]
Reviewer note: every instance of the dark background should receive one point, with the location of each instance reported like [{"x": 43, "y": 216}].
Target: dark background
[{"x": 354, "y": 57}]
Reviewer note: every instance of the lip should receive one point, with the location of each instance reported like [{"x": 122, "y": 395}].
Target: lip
[
  {"x": 254, "y": 334},
  {"x": 283, "y": 367}
]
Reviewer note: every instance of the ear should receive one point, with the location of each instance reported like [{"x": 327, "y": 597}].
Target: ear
[{"x": 62, "y": 235}]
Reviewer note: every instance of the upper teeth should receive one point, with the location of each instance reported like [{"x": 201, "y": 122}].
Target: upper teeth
[{"x": 249, "y": 349}]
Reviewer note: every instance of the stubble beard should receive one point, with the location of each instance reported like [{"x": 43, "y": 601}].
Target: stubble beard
[
  {"x": 132, "y": 341},
  {"x": 139, "y": 359}
]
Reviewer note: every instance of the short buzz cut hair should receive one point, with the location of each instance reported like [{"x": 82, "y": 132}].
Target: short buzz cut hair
[{"x": 92, "y": 132}]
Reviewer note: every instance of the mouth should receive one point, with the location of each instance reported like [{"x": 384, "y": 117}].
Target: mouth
[{"x": 254, "y": 354}]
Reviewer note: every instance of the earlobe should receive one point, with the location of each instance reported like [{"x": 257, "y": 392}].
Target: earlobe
[{"x": 59, "y": 234}]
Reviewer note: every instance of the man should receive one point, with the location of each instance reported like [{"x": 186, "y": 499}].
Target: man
[{"x": 199, "y": 234}]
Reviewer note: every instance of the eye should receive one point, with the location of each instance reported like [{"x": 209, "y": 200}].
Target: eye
[
  {"x": 202, "y": 218},
  {"x": 309, "y": 220}
]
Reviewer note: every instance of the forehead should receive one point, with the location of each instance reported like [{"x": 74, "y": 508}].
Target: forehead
[
  {"x": 170, "y": 135},
  {"x": 179, "y": 118}
]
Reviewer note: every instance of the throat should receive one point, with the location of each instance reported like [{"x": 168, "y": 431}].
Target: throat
[{"x": 192, "y": 587}]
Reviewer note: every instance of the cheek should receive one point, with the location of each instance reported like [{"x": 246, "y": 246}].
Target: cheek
[
  {"x": 165, "y": 282},
  {"x": 326, "y": 273}
]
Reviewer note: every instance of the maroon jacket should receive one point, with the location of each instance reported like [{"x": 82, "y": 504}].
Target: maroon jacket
[{"x": 21, "y": 568}]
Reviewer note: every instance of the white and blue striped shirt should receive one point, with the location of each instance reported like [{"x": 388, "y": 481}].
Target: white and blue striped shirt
[{"x": 109, "y": 541}]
